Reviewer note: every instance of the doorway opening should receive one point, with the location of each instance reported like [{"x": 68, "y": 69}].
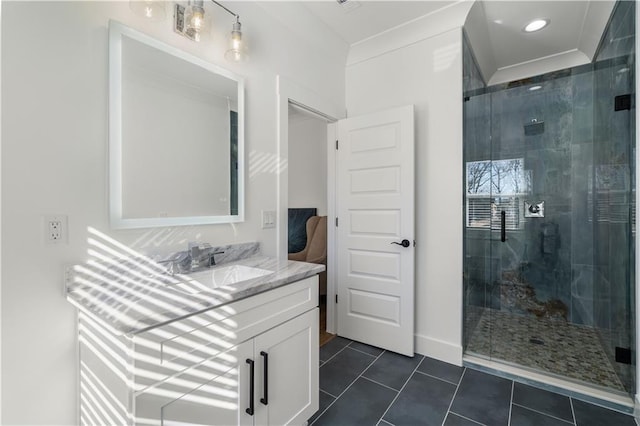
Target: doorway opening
[{"x": 308, "y": 208}]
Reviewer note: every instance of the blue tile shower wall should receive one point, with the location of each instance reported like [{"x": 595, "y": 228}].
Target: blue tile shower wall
[{"x": 578, "y": 260}]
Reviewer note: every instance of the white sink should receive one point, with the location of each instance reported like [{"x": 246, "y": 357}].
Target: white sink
[{"x": 217, "y": 277}]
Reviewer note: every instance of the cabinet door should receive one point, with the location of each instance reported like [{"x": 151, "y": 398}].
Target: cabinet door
[
  {"x": 292, "y": 374},
  {"x": 195, "y": 398}
]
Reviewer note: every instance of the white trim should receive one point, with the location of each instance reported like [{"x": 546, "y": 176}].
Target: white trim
[
  {"x": 439, "y": 349},
  {"x": 424, "y": 27},
  {"x": 595, "y": 23},
  {"x": 1, "y": 422},
  {"x": 538, "y": 66},
  {"x": 637, "y": 253},
  {"x": 332, "y": 290}
]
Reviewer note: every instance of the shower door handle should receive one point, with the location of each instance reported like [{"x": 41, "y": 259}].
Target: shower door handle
[{"x": 503, "y": 226}]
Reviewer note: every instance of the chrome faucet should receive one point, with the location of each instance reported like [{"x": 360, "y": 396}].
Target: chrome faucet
[
  {"x": 197, "y": 256},
  {"x": 202, "y": 255}
]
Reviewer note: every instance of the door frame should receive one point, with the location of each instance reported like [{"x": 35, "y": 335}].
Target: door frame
[{"x": 289, "y": 91}]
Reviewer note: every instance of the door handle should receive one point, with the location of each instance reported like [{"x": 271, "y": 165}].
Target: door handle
[
  {"x": 265, "y": 400},
  {"x": 403, "y": 243},
  {"x": 251, "y": 381},
  {"x": 503, "y": 226}
]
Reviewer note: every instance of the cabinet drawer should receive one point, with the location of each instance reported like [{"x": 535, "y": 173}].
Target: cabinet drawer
[{"x": 174, "y": 347}]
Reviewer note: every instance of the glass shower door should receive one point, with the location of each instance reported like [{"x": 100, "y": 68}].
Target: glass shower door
[{"x": 549, "y": 227}]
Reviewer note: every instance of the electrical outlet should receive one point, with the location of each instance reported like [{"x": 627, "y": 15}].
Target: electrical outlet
[
  {"x": 55, "y": 229},
  {"x": 268, "y": 219}
]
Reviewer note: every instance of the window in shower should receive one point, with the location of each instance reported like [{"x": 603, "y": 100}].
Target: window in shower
[{"x": 495, "y": 186}]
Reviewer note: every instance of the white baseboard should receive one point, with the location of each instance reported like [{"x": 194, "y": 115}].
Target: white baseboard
[{"x": 439, "y": 349}]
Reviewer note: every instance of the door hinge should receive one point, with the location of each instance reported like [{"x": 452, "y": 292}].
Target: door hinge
[
  {"x": 336, "y": 222},
  {"x": 336, "y": 298},
  {"x": 336, "y": 144}
]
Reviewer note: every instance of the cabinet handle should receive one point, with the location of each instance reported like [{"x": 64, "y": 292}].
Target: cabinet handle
[
  {"x": 251, "y": 380},
  {"x": 503, "y": 226},
  {"x": 265, "y": 400}
]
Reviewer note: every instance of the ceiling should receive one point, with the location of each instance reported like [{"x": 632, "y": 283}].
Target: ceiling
[
  {"x": 572, "y": 35},
  {"x": 355, "y": 21},
  {"x": 511, "y": 45}
]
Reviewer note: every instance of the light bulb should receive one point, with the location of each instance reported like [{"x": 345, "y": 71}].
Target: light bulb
[
  {"x": 153, "y": 10},
  {"x": 195, "y": 20},
  {"x": 236, "y": 51}
]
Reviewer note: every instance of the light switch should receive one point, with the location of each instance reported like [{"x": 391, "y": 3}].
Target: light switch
[{"x": 268, "y": 219}]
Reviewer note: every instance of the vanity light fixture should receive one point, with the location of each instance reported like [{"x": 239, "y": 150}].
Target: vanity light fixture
[
  {"x": 190, "y": 21},
  {"x": 536, "y": 25}
]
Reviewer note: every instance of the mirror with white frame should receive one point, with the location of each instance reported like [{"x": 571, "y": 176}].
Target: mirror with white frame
[{"x": 176, "y": 136}]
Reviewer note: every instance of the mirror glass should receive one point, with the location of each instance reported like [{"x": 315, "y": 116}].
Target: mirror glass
[{"x": 175, "y": 138}]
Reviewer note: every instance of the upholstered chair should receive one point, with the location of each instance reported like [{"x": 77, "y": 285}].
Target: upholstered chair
[{"x": 316, "y": 249}]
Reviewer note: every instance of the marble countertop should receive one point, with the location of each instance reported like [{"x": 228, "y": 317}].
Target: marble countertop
[{"x": 137, "y": 295}]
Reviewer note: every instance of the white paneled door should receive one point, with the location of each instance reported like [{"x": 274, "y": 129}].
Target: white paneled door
[{"x": 375, "y": 229}]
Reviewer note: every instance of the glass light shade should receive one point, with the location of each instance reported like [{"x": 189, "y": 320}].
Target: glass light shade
[
  {"x": 237, "y": 51},
  {"x": 153, "y": 10},
  {"x": 194, "y": 20}
]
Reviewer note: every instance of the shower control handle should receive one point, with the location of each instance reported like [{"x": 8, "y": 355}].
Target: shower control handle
[{"x": 403, "y": 243}]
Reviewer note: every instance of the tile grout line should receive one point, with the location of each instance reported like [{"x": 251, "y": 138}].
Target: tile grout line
[
  {"x": 347, "y": 388},
  {"x": 323, "y": 391},
  {"x": 513, "y": 386},
  {"x": 544, "y": 414},
  {"x": 381, "y": 384},
  {"x": 573, "y": 413},
  {"x": 436, "y": 377},
  {"x": 466, "y": 418},
  {"x": 454, "y": 395},
  {"x": 358, "y": 350},
  {"x": 401, "y": 389},
  {"x": 334, "y": 355}
]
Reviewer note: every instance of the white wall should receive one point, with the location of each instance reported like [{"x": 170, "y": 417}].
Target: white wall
[
  {"x": 308, "y": 163},
  {"x": 428, "y": 74},
  {"x": 54, "y": 161}
]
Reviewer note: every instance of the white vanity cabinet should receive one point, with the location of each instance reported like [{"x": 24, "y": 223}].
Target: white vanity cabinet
[{"x": 250, "y": 362}]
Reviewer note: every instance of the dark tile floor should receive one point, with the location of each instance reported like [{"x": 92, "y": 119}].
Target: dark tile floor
[{"x": 363, "y": 385}]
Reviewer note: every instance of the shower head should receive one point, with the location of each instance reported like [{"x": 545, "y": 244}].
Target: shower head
[{"x": 533, "y": 128}]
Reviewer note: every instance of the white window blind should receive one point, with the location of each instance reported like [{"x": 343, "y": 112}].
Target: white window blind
[
  {"x": 484, "y": 212},
  {"x": 493, "y": 187}
]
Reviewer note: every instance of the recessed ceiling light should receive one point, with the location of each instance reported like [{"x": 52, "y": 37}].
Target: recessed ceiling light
[
  {"x": 535, "y": 25},
  {"x": 534, "y": 88}
]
